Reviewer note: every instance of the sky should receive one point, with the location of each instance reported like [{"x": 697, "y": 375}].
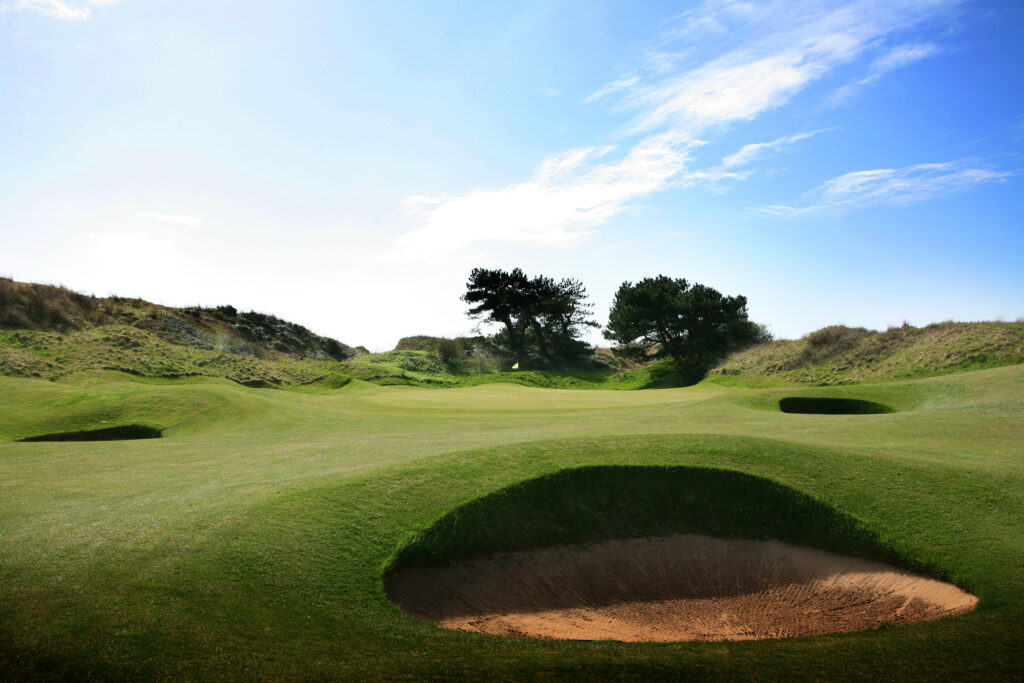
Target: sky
[{"x": 345, "y": 165}]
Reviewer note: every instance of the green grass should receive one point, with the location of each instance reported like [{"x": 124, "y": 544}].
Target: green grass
[
  {"x": 252, "y": 540},
  {"x": 598, "y": 503}
]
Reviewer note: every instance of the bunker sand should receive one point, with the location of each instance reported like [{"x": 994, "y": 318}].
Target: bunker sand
[{"x": 677, "y": 588}]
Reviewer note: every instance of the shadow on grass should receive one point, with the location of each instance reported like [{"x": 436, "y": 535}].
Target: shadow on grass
[
  {"x": 120, "y": 433},
  {"x": 592, "y": 504},
  {"x": 817, "y": 405}
]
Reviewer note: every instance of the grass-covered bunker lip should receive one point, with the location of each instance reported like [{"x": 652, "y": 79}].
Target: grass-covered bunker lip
[
  {"x": 827, "y": 405},
  {"x": 658, "y": 554},
  {"x": 118, "y": 433}
]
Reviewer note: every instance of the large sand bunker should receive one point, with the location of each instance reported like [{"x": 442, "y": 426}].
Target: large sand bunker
[{"x": 682, "y": 587}]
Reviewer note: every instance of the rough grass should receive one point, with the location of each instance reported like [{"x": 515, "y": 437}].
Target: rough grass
[
  {"x": 53, "y": 333},
  {"x": 844, "y": 355},
  {"x": 251, "y": 541},
  {"x": 48, "y": 308},
  {"x": 139, "y": 352},
  {"x": 128, "y": 349}
]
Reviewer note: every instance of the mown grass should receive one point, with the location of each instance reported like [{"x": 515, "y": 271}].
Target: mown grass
[{"x": 252, "y": 540}]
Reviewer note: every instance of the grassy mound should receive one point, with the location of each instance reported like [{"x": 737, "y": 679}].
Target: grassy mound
[
  {"x": 48, "y": 308},
  {"x": 592, "y": 504},
  {"x": 142, "y": 353},
  {"x": 845, "y": 355},
  {"x": 824, "y": 405}
]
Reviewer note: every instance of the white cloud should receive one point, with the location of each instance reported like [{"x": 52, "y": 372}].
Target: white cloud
[
  {"x": 759, "y": 150},
  {"x": 55, "y": 8},
  {"x": 897, "y": 57},
  {"x": 179, "y": 218},
  {"x": 718, "y": 94},
  {"x": 566, "y": 197},
  {"x": 762, "y": 54},
  {"x": 58, "y": 9},
  {"x": 766, "y": 53},
  {"x": 889, "y": 187},
  {"x": 614, "y": 86}
]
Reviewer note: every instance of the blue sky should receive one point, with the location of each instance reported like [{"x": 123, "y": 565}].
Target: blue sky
[{"x": 346, "y": 164}]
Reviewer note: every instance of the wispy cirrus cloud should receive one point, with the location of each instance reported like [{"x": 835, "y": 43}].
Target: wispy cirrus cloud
[
  {"x": 614, "y": 86},
  {"x": 721, "y": 63},
  {"x": 889, "y": 187},
  {"x": 58, "y": 9},
  {"x": 567, "y": 195},
  {"x": 897, "y": 57},
  {"x": 767, "y": 52},
  {"x": 177, "y": 218},
  {"x": 760, "y": 150}
]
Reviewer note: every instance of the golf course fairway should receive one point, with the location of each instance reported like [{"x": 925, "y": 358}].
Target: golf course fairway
[{"x": 254, "y": 539}]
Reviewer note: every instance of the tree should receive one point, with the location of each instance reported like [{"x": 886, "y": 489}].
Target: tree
[
  {"x": 502, "y": 298},
  {"x": 539, "y": 316},
  {"x": 564, "y": 314},
  {"x": 662, "y": 316}
]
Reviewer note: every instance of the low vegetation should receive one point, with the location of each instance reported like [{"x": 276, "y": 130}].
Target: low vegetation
[
  {"x": 845, "y": 355},
  {"x": 49, "y": 308},
  {"x": 52, "y": 333}
]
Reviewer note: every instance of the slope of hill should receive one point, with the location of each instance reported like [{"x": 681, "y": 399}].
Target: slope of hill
[
  {"x": 849, "y": 355},
  {"x": 48, "y": 308},
  {"x": 52, "y": 332}
]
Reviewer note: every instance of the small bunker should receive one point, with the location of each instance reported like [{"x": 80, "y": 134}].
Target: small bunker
[
  {"x": 119, "y": 433},
  {"x": 658, "y": 554},
  {"x": 822, "y": 405}
]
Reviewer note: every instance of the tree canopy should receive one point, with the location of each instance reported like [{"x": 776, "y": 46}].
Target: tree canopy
[
  {"x": 663, "y": 316},
  {"x": 541, "y": 319}
]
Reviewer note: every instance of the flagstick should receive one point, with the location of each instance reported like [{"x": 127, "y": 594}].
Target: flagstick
[{"x": 516, "y": 367}]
